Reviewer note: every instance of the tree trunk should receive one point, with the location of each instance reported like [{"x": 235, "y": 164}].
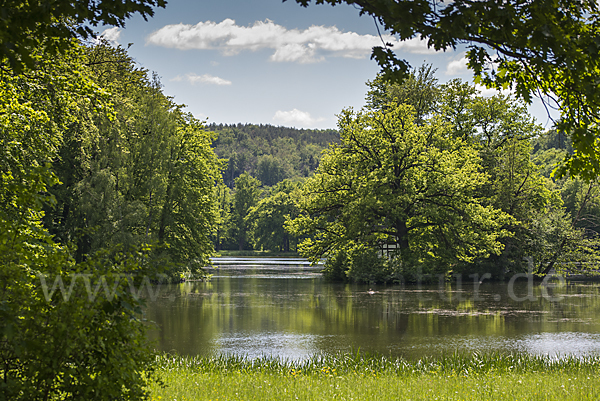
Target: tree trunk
[
  {"x": 218, "y": 241},
  {"x": 286, "y": 243},
  {"x": 165, "y": 214},
  {"x": 402, "y": 235},
  {"x": 241, "y": 240}
]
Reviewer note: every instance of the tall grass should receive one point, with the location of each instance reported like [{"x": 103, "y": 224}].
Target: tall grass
[
  {"x": 373, "y": 377},
  {"x": 343, "y": 363}
]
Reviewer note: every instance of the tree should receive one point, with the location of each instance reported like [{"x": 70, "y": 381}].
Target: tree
[
  {"x": 145, "y": 173},
  {"x": 52, "y": 25},
  {"x": 542, "y": 48},
  {"x": 393, "y": 183},
  {"x": 421, "y": 90},
  {"x": 55, "y": 345},
  {"x": 246, "y": 195},
  {"x": 270, "y": 214},
  {"x": 269, "y": 170},
  {"x": 189, "y": 212},
  {"x": 500, "y": 129}
]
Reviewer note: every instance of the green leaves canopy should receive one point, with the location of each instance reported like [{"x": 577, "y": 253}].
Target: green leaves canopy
[
  {"x": 544, "y": 48},
  {"x": 54, "y": 347},
  {"x": 393, "y": 183},
  {"x": 269, "y": 215},
  {"x": 246, "y": 196},
  {"x": 143, "y": 173},
  {"x": 51, "y": 24}
]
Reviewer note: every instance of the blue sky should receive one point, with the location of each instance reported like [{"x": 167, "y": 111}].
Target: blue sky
[{"x": 269, "y": 62}]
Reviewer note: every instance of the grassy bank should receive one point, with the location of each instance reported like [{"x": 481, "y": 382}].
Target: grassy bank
[{"x": 355, "y": 377}]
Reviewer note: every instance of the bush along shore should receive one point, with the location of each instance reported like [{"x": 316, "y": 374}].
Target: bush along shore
[{"x": 357, "y": 376}]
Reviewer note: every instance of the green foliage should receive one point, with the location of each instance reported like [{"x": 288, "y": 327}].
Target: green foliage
[
  {"x": 56, "y": 344},
  {"x": 420, "y": 90},
  {"x": 393, "y": 182},
  {"x": 517, "y": 187},
  {"x": 245, "y": 197},
  {"x": 224, "y": 226},
  {"x": 454, "y": 187},
  {"x": 544, "y": 48},
  {"x": 50, "y": 26},
  {"x": 501, "y": 131},
  {"x": 189, "y": 212},
  {"x": 363, "y": 265},
  {"x": 566, "y": 238},
  {"x": 336, "y": 266},
  {"x": 68, "y": 344},
  {"x": 367, "y": 266},
  {"x": 270, "y": 214},
  {"x": 269, "y": 170},
  {"x": 360, "y": 265},
  {"x": 269, "y": 153},
  {"x": 144, "y": 173}
]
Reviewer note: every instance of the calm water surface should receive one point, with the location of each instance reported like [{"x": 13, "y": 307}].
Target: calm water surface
[{"x": 282, "y": 307}]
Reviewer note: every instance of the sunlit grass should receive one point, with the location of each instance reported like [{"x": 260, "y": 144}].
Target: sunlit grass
[{"x": 356, "y": 377}]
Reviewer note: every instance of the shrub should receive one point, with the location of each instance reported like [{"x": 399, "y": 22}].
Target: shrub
[
  {"x": 367, "y": 266},
  {"x": 336, "y": 267},
  {"x": 70, "y": 330}
]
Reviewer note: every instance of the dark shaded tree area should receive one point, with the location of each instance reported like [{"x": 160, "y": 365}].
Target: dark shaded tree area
[{"x": 269, "y": 153}]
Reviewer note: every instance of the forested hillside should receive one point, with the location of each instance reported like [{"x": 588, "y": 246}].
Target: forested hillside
[{"x": 269, "y": 153}]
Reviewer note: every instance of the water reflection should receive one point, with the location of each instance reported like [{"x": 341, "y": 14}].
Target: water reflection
[{"x": 255, "y": 308}]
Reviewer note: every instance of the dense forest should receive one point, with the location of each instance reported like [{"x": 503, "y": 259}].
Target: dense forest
[{"x": 269, "y": 153}]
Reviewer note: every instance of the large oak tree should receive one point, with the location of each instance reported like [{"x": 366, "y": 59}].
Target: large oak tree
[{"x": 394, "y": 183}]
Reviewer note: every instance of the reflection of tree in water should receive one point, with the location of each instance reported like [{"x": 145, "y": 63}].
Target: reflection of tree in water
[
  {"x": 182, "y": 316},
  {"x": 318, "y": 316}
]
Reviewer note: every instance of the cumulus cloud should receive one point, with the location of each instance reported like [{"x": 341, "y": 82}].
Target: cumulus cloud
[
  {"x": 291, "y": 45},
  {"x": 295, "y": 117},
  {"x": 203, "y": 79},
  {"x": 457, "y": 67},
  {"x": 112, "y": 35},
  {"x": 489, "y": 92}
]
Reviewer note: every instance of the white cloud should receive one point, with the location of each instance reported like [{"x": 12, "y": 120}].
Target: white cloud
[
  {"x": 295, "y": 117},
  {"x": 489, "y": 92},
  {"x": 292, "y": 45},
  {"x": 457, "y": 66},
  {"x": 112, "y": 35},
  {"x": 204, "y": 79},
  {"x": 296, "y": 52}
]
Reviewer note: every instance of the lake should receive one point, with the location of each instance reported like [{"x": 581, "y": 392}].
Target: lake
[{"x": 282, "y": 307}]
